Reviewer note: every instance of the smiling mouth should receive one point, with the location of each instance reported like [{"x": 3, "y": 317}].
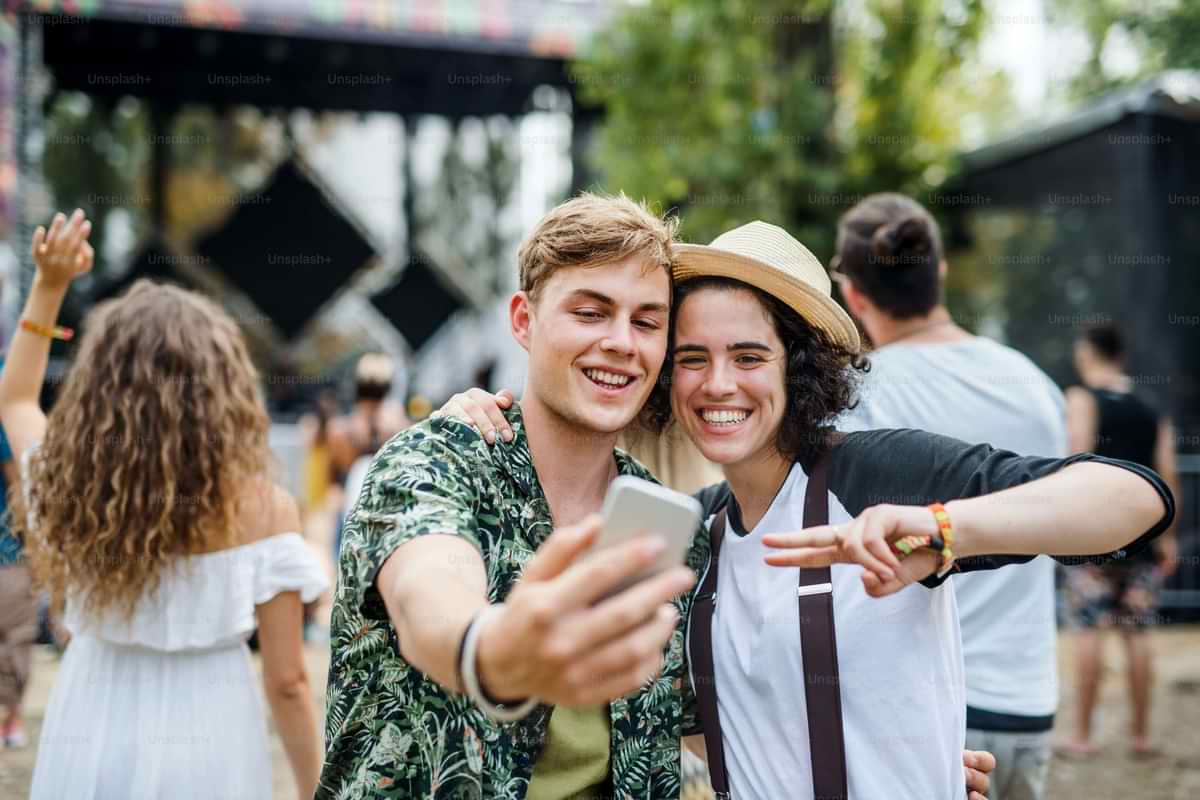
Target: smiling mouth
[
  {"x": 608, "y": 380},
  {"x": 724, "y": 418}
]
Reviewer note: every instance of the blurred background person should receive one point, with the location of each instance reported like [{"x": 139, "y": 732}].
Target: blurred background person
[
  {"x": 672, "y": 457},
  {"x": 355, "y": 438},
  {"x": 18, "y": 612},
  {"x": 373, "y": 420},
  {"x": 146, "y": 509},
  {"x": 322, "y": 501},
  {"x": 318, "y": 464},
  {"x": 929, "y": 373},
  {"x": 1106, "y": 416}
]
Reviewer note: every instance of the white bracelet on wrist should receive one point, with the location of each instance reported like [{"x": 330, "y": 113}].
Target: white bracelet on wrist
[{"x": 470, "y": 677}]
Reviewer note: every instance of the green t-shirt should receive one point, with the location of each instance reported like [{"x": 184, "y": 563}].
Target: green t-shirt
[{"x": 574, "y": 763}]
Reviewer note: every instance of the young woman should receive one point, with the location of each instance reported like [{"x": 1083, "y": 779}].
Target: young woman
[
  {"x": 762, "y": 363},
  {"x": 145, "y": 508}
]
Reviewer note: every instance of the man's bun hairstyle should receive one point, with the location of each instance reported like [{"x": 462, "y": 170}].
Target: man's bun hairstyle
[
  {"x": 890, "y": 248},
  {"x": 904, "y": 243}
]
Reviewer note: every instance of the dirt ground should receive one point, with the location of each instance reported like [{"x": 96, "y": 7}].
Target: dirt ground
[{"x": 1175, "y": 775}]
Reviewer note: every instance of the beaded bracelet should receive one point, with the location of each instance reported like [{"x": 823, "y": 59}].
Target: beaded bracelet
[
  {"x": 942, "y": 541},
  {"x": 946, "y": 528},
  {"x": 49, "y": 331}
]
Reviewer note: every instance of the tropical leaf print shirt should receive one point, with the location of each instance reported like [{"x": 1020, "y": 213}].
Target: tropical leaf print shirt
[{"x": 391, "y": 732}]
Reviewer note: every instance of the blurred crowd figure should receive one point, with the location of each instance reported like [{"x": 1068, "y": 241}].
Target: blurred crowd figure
[
  {"x": 929, "y": 373},
  {"x": 340, "y": 446},
  {"x": 147, "y": 511},
  {"x": 373, "y": 419},
  {"x": 18, "y": 612},
  {"x": 318, "y": 465},
  {"x": 1107, "y": 416}
]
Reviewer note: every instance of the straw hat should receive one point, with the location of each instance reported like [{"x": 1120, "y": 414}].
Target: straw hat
[{"x": 768, "y": 258}]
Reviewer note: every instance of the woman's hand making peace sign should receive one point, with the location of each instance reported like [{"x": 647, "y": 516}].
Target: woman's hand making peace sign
[{"x": 865, "y": 540}]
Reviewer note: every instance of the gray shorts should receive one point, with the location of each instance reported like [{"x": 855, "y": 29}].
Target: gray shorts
[{"x": 1022, "y": 762}]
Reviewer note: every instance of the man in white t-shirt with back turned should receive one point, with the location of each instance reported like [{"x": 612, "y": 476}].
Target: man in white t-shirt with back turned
[{"x": 929, "y": 373}]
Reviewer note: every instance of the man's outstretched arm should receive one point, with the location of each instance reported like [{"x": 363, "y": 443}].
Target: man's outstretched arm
[{"x": 554, "y": 637}]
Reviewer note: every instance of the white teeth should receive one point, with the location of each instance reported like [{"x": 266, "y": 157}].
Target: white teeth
[
  {"x": 724, "y": 416},
  {"x": 607, "y": 378}
]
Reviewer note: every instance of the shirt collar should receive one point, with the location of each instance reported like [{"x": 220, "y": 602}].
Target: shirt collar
[
  {"x": 514, "y": 457},
  {"x": 517, "y": 461}
]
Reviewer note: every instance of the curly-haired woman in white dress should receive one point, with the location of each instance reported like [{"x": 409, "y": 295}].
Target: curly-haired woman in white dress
[{"x": 146, "y": 509}]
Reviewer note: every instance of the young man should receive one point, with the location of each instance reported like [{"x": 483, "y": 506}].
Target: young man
[
  {"x": 930, "y": 374},
  {"x": 445, "y": 525}
]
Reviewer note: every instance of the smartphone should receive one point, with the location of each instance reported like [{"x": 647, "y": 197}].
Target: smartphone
[{"x": 634, "y": 507}]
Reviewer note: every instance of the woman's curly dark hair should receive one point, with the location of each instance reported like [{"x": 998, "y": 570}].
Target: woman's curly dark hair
[{"x": 822, "y": 377}]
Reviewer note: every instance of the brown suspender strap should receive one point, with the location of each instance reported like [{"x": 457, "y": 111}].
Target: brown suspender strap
[
  {"x": 822, "y": 688},
  {"x": 700, "y": 653},
  {"x": 818, "y": 646}
]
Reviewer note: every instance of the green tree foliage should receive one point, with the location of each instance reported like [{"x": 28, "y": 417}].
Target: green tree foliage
[
  {"x": 99, "y": 157},
  {"x": 1174, "y": 33},
  {"x": 732, "y": 110},
  {"x": 1164, "y": 34},
  {"x": 716, "y": 108},
  {"x": 469, "y": 203},
  {"x": 95, "y": 159},
  {"x": 905, "y": 90}
]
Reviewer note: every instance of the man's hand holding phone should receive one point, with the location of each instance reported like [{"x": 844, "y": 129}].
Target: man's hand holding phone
[{"x": 563, "y": 639}]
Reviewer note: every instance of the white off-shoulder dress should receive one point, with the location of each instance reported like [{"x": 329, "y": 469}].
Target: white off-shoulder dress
[{"x": 167, "y": 705}]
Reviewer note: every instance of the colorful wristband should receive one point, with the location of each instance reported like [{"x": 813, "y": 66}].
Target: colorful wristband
[
  {"x": 49, "y": 331},
  {"x": 946, "y": 532},
  {"x": 942, "y": 541}
]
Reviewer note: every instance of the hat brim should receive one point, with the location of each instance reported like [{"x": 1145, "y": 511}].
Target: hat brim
[{"x": 818, "y": 309}]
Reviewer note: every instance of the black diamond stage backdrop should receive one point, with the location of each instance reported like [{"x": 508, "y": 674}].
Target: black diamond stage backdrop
[
  {"x": 288, "y": 248},
  {"x": 276, "y": 54},
  {"x": 154, "y": 261},
  {"x": 420, "y": 301}
]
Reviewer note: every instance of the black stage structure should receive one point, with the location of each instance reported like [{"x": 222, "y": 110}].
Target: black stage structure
[
  {"x": 416, "y": 59},
  {"x": 1097, "y": 219},
  {"x": 1103, "y": 209}
]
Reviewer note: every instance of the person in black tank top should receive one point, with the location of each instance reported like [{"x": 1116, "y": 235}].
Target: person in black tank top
[
  {"x": 1127, "y": 428},
  {"x": 1105, "y": 416}
]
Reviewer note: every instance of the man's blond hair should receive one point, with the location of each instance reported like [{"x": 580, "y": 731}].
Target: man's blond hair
[{"x": 594, "y": 229}]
